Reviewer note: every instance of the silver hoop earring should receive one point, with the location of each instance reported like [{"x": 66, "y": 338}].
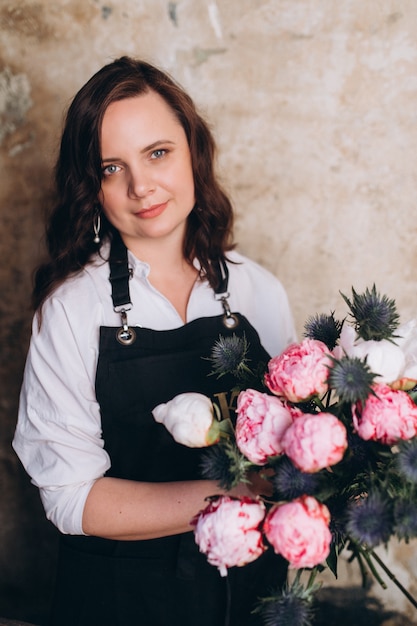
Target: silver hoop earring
[{"x": 96, "y": 228}]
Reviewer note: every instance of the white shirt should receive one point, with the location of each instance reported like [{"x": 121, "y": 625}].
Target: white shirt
[{"x": 58, "y": 434}]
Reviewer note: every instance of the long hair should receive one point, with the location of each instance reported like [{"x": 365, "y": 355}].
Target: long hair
[{"x": 69, "y": 229}]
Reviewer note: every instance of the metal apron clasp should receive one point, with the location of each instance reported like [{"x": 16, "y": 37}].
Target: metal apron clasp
[
  {"x": 125, "y": 335},
  {"x": 229, "y": 319}
]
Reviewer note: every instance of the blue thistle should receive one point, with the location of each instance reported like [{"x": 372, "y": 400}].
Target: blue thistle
[
  {"x": 405, "y": 516},
  {"x": 359, "y": 448},
  {"x": 337, "y": 526},
  {"x": 323, "y": 328},
  {"x": 291, "y": 607},
  {"x": 370, "y": 520},
  {"x": 360, "y": 454},
  {"x": 229, "y": 355},
  {"x": 359, "y": 463},
  {"x": 225, "y": 464},
  {"x": 351, "y": 379},
  {"x": 407, "y": 459},
  {"x": 290, "y": 483},
  {"x": 375, "y": 316}
]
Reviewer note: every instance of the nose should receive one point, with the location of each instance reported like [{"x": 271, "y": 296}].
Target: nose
[{"x": 140, "y": 182}]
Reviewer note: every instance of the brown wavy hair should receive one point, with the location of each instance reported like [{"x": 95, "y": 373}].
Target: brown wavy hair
[{"x": 78, "y": 175}]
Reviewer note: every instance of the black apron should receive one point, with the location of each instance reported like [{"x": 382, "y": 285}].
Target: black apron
[{"x": 167, "y": 581}]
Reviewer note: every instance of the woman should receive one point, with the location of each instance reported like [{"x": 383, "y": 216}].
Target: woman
[{"x": 131, "y": 299}]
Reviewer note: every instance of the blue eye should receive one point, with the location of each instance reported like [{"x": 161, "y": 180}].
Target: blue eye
[
  {"x": 110, "y": 169},
  {"x": 157, "y": 154}
]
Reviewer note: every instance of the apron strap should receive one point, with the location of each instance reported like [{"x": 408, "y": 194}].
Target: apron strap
[
  {"x": 119, "y": 275},
  {"x": 223, "y": 275}
]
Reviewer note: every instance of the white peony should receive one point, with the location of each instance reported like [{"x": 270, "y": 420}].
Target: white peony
[
  {"x": 190, "y": 418},
  {"x": 394, "y": 362},
  {"x": 407, "y": 341}
]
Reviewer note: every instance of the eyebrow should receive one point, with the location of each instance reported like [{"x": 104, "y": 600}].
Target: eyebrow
[{"x": 151, "y": 146}]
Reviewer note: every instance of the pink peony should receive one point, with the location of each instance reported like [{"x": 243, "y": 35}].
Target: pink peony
[
  {"x": 261, "y": 423},
  {"x": 315, "y": 441},
  {"x": 295, "y": 411},
  {"x": 228, "y": 531},
  {"x": 388, "y": 416},
  {"x": 300, "y": 372},
  {"x": 299, "y": 531}
]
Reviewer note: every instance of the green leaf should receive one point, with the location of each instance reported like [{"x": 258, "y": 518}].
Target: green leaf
[{"x": 332, "y": 559}]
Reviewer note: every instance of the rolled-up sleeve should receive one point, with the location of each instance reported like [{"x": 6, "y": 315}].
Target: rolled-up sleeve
[{"x": 58, "y": 434}]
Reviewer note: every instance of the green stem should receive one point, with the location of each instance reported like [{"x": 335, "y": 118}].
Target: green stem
[
  {"x": 298, "y": 576},
  {"x": 364, "y": 573},
  {"x": 367, "y": 556},
  {"x": 319, "y": 403},
  {"x": 393, "y": 578},
  {"x": 312, "y": 578}
]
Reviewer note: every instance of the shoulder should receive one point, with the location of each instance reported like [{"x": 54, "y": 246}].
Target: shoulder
[
  {"x": 260, "y": 296},
  {"x": 87, "y": 288},
  {"x": 243, "y": 268},
  {"x": 80, "y": 304}
]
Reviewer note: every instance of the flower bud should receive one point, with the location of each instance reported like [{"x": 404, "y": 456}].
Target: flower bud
[{"x": 190, "y": 418}]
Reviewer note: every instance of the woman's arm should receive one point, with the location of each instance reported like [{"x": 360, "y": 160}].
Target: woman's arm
[
  {"x": 124, "y": 509},
  {"x": 58, "y": 435},
  {"x": 128, "y": 510}
]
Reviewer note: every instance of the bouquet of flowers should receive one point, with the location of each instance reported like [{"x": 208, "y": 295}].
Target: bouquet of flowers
[{"x": 333, "y": 422}]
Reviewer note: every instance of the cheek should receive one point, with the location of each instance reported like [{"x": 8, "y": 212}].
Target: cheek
[
  {"x": 109, "y": 208},
  {"x": 180, "y": 182},
  {"x": 109, "y": 199},
  {"x": 188, "y": 182}
]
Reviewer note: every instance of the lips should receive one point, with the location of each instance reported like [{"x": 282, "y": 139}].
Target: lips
[{"x": 152, "y": 211}]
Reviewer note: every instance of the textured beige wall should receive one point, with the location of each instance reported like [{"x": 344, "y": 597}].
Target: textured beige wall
[{"x": 313, "y": 104}]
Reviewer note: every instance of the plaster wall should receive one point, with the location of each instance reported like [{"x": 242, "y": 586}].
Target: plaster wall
[{"x": 313, "y": 105}]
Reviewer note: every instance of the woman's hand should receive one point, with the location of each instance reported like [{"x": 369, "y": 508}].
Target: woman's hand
[{"x": 258, "y": 485}]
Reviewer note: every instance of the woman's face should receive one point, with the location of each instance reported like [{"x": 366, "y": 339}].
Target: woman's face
[{"x": 147, "y": 187}]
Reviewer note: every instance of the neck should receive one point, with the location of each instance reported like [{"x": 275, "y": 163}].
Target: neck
[
  {"x": 170, "y": 273},
  {"x": 161, "y": 255}
]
